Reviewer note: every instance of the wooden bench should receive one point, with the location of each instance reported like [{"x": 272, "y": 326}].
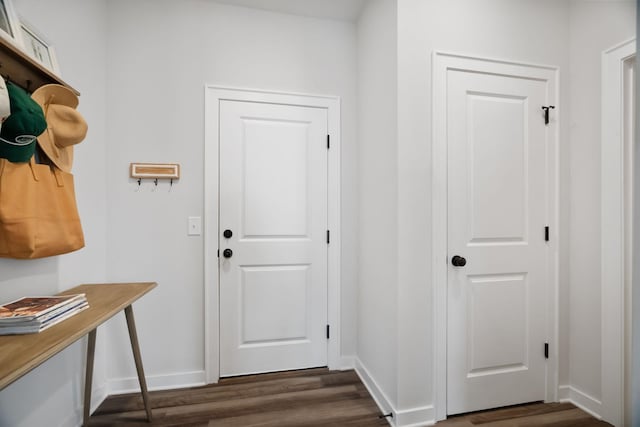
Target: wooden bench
[{"x": 19, "y": 354}]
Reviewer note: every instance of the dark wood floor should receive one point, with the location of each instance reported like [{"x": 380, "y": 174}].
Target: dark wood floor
[
  {"x": 530, "y": 415},
  {"x": 313, "y": 397}
]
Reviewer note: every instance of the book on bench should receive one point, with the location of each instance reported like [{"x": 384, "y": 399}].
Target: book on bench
[{"x": 34, "y": 314}]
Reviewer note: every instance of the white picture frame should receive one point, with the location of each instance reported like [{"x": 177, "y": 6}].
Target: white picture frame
[
  {"x": 37, "y": 46},
  {"x": 9, "y": 23}
]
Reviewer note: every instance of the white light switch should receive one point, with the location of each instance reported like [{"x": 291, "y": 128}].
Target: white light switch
[{"x": 195, "y": 226}]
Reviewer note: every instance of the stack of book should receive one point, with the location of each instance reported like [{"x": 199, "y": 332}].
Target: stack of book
[{"x": 29, "y": 315}]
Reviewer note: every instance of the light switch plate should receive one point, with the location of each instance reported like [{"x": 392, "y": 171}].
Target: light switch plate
[{"x": 195, "y": 226}]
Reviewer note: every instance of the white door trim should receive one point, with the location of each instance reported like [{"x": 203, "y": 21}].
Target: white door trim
[
  {"x": 213, "y": 96},
  {"x": 613, "y": 230},
  {"x": 441, "y": 63}
]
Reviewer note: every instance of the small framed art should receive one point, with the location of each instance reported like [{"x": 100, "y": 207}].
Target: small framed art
[
  {"x": 38, "y": 47},
  {"x": 9, "y": 25}
]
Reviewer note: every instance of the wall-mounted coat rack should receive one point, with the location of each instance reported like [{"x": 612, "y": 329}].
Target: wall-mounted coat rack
[
  {"x": 154, "y": 171},
  {"x": 21, "y": 69}
]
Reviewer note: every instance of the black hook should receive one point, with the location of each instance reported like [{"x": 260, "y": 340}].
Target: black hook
[
  {"x": 139, "y": 181},
  {"x": 546, "y": 113},
  {"x": 155, "y": 181}
]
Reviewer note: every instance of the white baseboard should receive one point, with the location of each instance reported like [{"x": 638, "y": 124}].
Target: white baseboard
[
  {"x": 157, "y": 382},
  {"x": 375, "y": 391},
  {"x": 414, "y": 417},
  {"x": 73, "y": 420},
  {"x": 347, "y": 363},
  {"x": 582, "y": 400},
  {"x": 98, "y": 396}
]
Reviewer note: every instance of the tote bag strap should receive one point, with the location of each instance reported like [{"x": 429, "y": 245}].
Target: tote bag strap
[
  {"x": 59, "y": 177},
  {"x": 32, "y": 165}
]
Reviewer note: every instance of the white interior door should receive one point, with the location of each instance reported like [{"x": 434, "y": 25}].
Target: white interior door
[
  {"x": 273, "y": 201},
  {"x": 497, "y": 204}
]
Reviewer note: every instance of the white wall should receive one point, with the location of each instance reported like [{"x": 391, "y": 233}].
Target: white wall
[
  {"x": 155, "y": 77},
  {"x": 531, "y": 31},
  {"x": 570, "y": 35},
  {"x": 378, "y": 184},
  {"x": 141, "y": 67},
  {"x": 594, "y": 27},
  {"x": 52, "y": 394},
  {"x": 161, "y": 54}
]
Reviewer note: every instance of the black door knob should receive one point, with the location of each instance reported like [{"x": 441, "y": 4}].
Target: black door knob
[
  {"x": 458, "y": 261},
  {"x": 227, "y": 253},
  {"x": 227, "y": 234}
]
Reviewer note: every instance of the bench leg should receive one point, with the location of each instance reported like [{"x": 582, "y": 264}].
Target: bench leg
[
  {"x": 91, "y": 351},
  {"x": 138, "y": 359}
]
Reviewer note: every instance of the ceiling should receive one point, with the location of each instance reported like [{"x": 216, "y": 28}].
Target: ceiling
[{"x": 343, "y": 10}]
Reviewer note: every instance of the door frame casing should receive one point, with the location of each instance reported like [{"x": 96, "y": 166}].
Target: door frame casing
[
  {"x": 613, "y": 204},
  {"x": 213, "y": 96},
  {"x": 441, "y": 63}
]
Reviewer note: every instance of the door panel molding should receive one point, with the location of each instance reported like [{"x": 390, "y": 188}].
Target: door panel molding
[
  {"x": 443, "y": 62},
  {"x": 213, "y": 96},
  {"x": 615, "y": 141}
]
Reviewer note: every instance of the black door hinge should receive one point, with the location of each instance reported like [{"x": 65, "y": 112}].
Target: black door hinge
[
  {"x": 546, "y": 233},
  {"x": 328, "y": 331},
  {"x": 328, "y": 237},
  {"x": 218, "y": 253},
  {"x": 328, "y": 142},
  {"x": 546, "y": 350}
]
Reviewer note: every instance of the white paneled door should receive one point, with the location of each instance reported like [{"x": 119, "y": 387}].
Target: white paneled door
[
  {"x": 273, "y": 237},
  {"x": 497, "y": 204}
]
